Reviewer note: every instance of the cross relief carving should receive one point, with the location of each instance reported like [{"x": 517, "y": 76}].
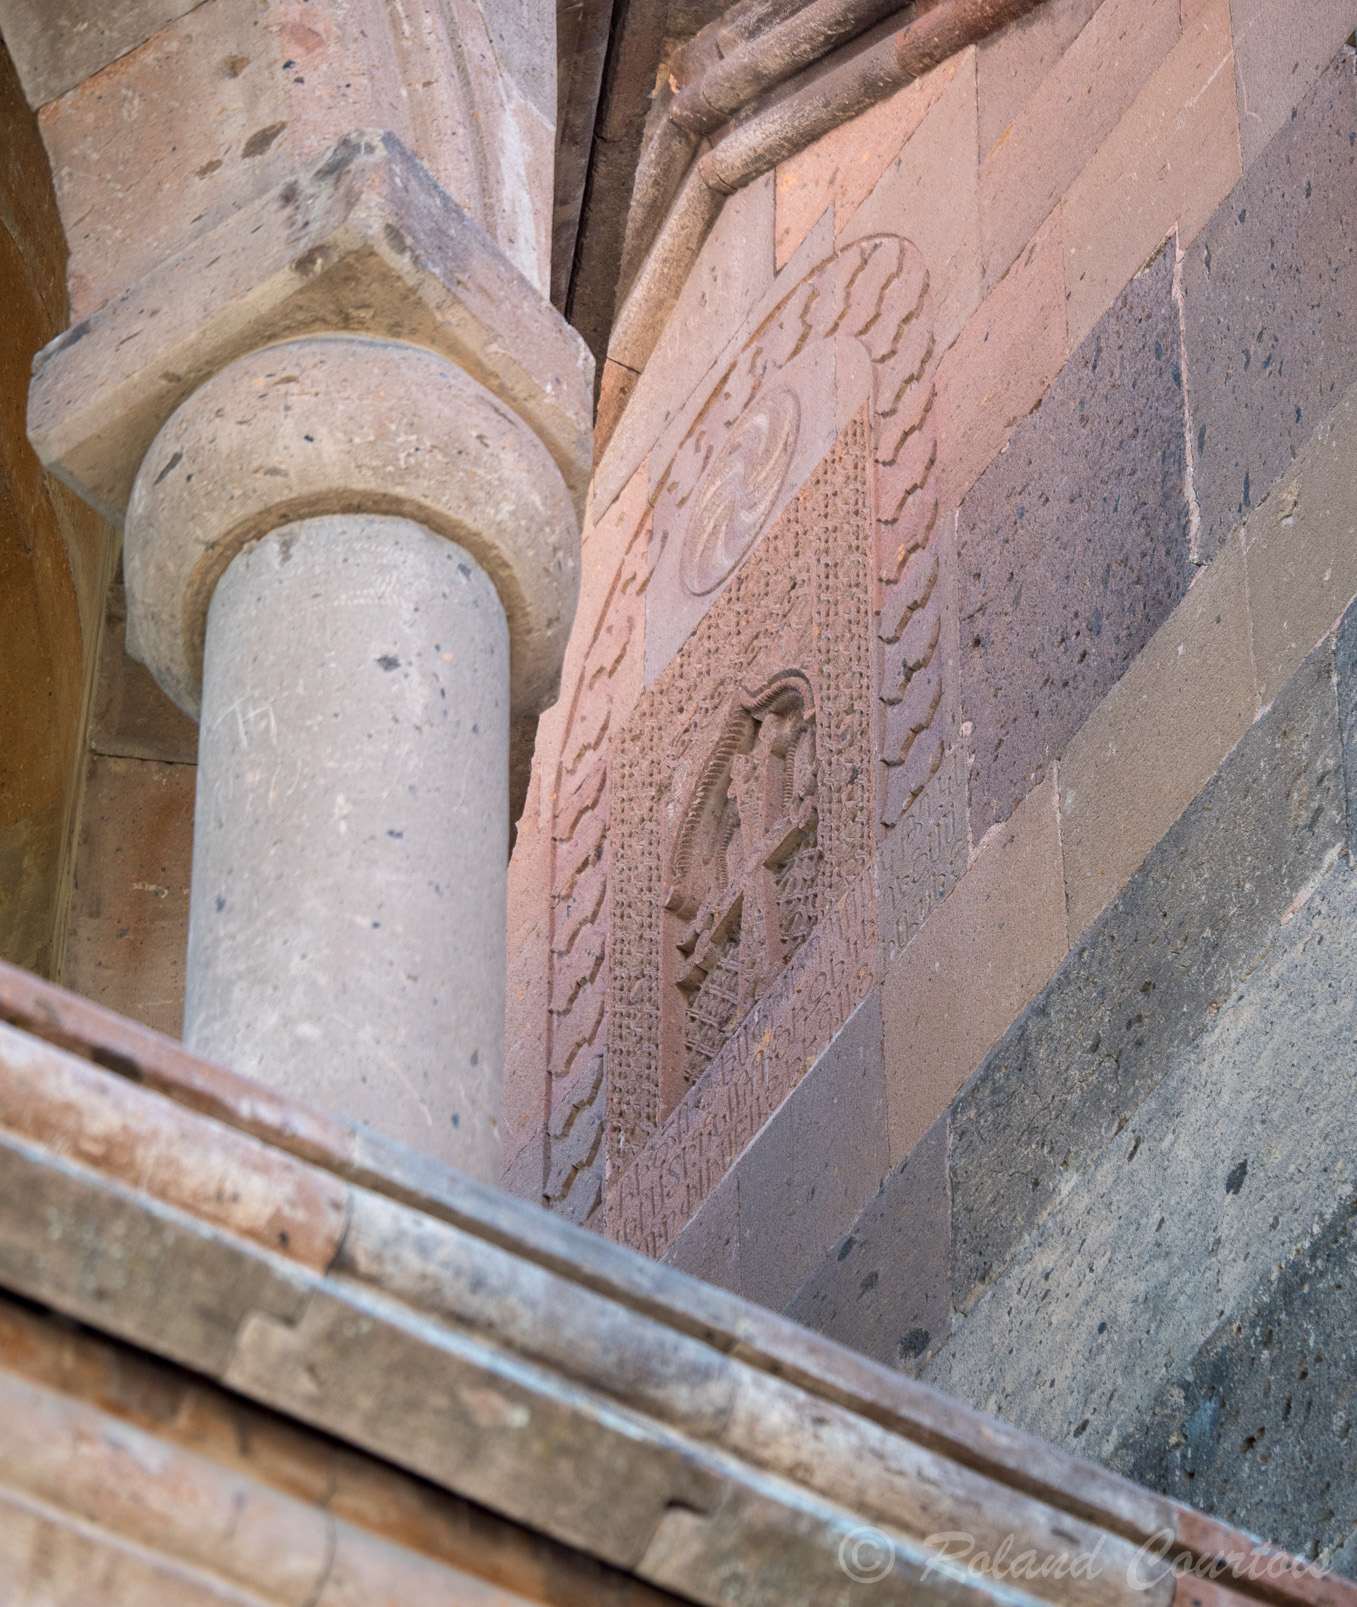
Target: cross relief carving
[{"x": 742, "y": 876}]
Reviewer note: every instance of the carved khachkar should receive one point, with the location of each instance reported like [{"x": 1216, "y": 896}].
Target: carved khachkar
[
  {"x": 728, "y": 471},
  {"x": 741, "y": 798}
]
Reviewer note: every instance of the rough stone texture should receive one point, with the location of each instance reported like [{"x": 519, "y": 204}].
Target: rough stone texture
[
  {"x": 1157, "y": 738},
  {"x": 1300, "y": 550},
  {"x": 842, "y": 167},
  {"x": 805, "y": 1176},
  {"x": 709, "y": 1247},
  {"x": 1280, "y": 48},
  {"x": 129, "y": 912},
  {"x": 1166, "y": 166},
  {"x": 1073, "y": 546},
  {"x": 797, "y": 611},
  {"x": 999, "y": 367},
  {"x": 1064, "y": 119},
  {"x": 55, "y": 46},
  {"x": 983, "y": 953},
  {"x": 1148, "y": 978},
  {"x": 1271, "y": 335},
  {"x": 364, "y": 240},
  {"x": 1345, "y": 664},
  {"x": 1218, "y": 1180},
  {"x": 346, "y": 935},
  {"x": 1257, "y": 1430},
  {"x": 886, "y": 1289}
]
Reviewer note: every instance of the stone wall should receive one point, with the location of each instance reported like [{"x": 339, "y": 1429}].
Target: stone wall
[{"x": 1112, "y": 537}]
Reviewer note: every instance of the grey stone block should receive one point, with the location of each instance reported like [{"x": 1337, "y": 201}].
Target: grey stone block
[
  {"x": 1148, "y": 978},
  {"x": 1345, "y": 666},
  {"x": 1073, "y": 546},
  {"x": 1258, "y": 1430},
  {"x": 709, "y": 1247},
  {"x": 1230, "y": 1164},
  {"x": 805, "y": 1177},
  {"x": 886, "y": 1288},
  {"x": 1268, "y": 300}
]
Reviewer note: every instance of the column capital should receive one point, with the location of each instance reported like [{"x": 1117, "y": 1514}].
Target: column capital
[{"x": 347, "y": 424}]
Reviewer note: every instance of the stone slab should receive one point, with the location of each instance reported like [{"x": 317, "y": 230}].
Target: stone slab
[
  {"x": 1073, "y": 546},
  {"x": 1065, "y": 118},
  {"x": 1256, "y": 1428},
  {"x": 1157, "y": 738},
  {"x": 1148, "y": 978},
  {"x": 1300, "y": 550},
  {"x": 825, "y": 1151},
  {"x": 997, "y": 370},
  {"x": 366, "y": 242},
  {"x": 984, "y": 952},
  {"x": 130, "y": 717},
  {"x": 1009, "y": 62},
  {"x": 923, "y": 858},
  {"x": 1280, "y": 49},
  {"x": 1268, "y": 285},
  {"x": 709, "y": 1247},
  {"x": 1164, "y": 169},
  {"x": 885, "y": 1289},
  {"x": 1218, "y": 1178},
  {"x": 1345, "y": 666},
  {"x": 930, "y": 194}
]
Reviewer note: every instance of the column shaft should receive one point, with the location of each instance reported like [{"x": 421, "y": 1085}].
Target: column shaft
[{"x": 347, "y": 919}]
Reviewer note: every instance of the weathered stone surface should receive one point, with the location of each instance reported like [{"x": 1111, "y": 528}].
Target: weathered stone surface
[
  {"x": 1148, "y": 978},
  {"x": 364, "y": 241},
  {"x": 1063, "y": 120},
  {"x": 128, "y": 933},
  {"x": 1257, "y": 1429},
  {"x": 1280, "y": 48},
  {"x": 1216, "y": 1183},
  {"x": 886, "y": 1289},
  {"x": 806, "y": 1175},
  {"x": 1157, "y": 738},
  {"x": 1345, "y": 665},
  {"x": 1073, "y": 546},
  {"x": 709, "y": 1247},
  {"x": 1164, "y": 169},
  {"x": 983, "y": 953},
  {"x": 1268, "y": 285},
  {"x": 55, "y": 46}
]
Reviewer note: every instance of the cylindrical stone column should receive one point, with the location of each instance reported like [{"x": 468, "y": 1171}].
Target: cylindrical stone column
[
  {"x": 354, "y": 565},
  {"x": 346, "y": 926}
]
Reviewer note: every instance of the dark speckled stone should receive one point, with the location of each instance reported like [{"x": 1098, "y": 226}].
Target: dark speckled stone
[
  {"x": 1262, "y": 1431},
  {"x": 885, "y": 1288},
  {"x": 1073, "y": 547},
  {"x": 1145, "y": 981},
  {"x": 1270, "y": 318}
]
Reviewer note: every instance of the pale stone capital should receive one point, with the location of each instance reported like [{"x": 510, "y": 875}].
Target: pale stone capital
[{"x": 344, "y": 424}]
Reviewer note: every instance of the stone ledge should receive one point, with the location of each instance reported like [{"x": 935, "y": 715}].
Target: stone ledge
[{"x": 367, "y": 243}]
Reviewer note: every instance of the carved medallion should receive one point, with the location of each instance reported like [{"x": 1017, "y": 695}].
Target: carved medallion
[{"x": 739, "y": 491}]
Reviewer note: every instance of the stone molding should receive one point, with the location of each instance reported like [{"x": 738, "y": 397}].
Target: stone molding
[
  {"x": 465, "y": 1336},
  {"x": 367, "y": 243},
  {"x": 341, "y": 424}
]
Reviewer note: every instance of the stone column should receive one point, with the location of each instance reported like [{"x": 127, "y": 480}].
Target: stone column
[{"x": 353, "y": 564}]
